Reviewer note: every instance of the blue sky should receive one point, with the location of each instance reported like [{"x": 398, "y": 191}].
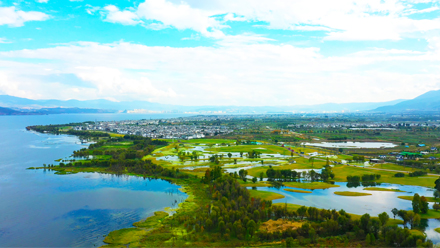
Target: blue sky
[{"x": 220, "y": 52}]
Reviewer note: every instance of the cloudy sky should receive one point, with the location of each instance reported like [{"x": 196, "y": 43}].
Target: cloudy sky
[{"x": 220, "y": 52}]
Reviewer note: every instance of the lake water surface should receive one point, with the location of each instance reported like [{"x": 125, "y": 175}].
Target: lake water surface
[{"x": 41, "y": 209}]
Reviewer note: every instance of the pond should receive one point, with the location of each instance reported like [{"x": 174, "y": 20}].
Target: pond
[
  {"x": 350, "y": 144},
  {"x": 378, "y": 202}
]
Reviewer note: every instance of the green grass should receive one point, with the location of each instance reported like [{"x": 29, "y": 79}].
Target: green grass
[
  {"x": 341, "y": 173},
  {"x": 270, "y": 149},
  {"x": 437, "y": 229},
  {"x": 350, "y": 193},
  {"x": 249, "y": 183},
  {"x": 209, "y": 141},
  {"x": 265, "y": 195},
  {"x": 313, "y": 185},
  {"x": 383, "y": 189},
  {"x": 393, "y": 167},
  {"x": 152, "y": 221},
  {"x": 298, "y": 191},
  {"x": 410, "y": 198},
  {"x": 432, "y": 214},
  {"x": 125, "y": 236}
]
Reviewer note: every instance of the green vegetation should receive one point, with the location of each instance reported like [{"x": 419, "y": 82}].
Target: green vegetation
[
  {"x": 310, "y": 185},
  {"x": 152, "y": 221},
  {"x": 437, "y": 229},
  {"x": 383, "y": 189},
  {"x": 265, "y": 195},
  {"x": 125, "y": 236},
  {"x": 350, "y": 193},
  {"x": 270, "y": 149},
  {"x": 298, "y": 191},
  {"x": 221, "y": 212},
  {"x": 410, "y": 198}
]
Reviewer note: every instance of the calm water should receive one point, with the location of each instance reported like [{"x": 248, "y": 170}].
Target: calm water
[
  {"x": 38, "y": 208},
  {"x": 378, "y": 202}
]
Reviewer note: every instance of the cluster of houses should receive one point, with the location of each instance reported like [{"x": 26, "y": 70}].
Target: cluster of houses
[
  {"x": 365, "y": 125},
  {"x": 401, "y": 156},
  {"x": 164, "y": 129}
]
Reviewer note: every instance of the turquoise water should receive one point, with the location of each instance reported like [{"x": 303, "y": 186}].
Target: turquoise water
[{"x": 39, "y": 208}]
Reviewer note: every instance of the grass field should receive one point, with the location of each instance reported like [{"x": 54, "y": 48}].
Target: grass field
[
  {"x": 341, "y": 173},
  {"x": 298, "y": 191},
  {"x": 209, "y": 141},
  {"x": 410, "y": 198},
  {"x": 312, "y": 185},
  {"x": 383, "y": 189},
  {"x": 393, "y": 167},
  {"x": 249, "y": 183},
  {"x": 125, "y": 236},
  {"x": 350, "y": 193},
  {"x": 432, "y": 214},
  {"x": 265, "y": 195},
  {"x": 270, "y": 149}
]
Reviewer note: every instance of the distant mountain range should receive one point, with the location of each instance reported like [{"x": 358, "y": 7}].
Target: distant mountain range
[
  {"x": 430, "y": 101},
  {"x": 10, "y": 105},
  {"x": 48, "y": 111}
]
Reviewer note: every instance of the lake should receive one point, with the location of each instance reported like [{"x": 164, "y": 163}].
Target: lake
[
  {"x": 39, "y": 208},
  {"x": 350, "y": 144}
]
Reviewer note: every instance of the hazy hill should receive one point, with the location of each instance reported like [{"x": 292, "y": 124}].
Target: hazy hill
[
  {"x": 430, "y": 101},
  {"x": 8, "y": 111},
  {"x": 110, "y": 106}
]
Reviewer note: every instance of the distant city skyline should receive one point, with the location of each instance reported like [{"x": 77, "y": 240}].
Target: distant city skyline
[{"x": 196, "y": 52}]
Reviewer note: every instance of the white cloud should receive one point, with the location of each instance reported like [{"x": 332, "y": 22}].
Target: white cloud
[
  {"x": 125, "y": 17},
  {"x": 342, "y": 19},
  {"x": 15, "y": 18},
  {"x": 4, "y": 40},
  {"x": 42, "y": 1},
  {"x": 233, "y": 74}
]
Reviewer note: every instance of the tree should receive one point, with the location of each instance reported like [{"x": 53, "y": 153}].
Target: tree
[
  {"x": 301, "y": 212},
  {"x": 424, "y": 205},
  {"x": 395, "y": 211},
  {"x": 436, "y": 206},
  {"x": 312, "y": 235},
  {"x": 373, "y": 239},
  {"x": 312, "y": 159},
  {"x": 289, "y": 242},
  {"x": 261, "y": 176},
  {"x": 222, "y": 227},
  {"x": 251, "y": 227},
  {"x": 436, "y": 194},
  {"x": 437, "y": 184},
  {"x": 365, "y": 221},
  {"x": 229, "y": 155},
  {"x": 241, "y": 154},
  {"x": 254, "y": 180},
  {"x": 383, "y": 217},
  {"x": 368, "y": 240},
  {"x": 416, "y": 203}
]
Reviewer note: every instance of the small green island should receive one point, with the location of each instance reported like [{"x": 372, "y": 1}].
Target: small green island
[
  {"x": 351, "y": 193},
  {"x": 383, "y": 189}
]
